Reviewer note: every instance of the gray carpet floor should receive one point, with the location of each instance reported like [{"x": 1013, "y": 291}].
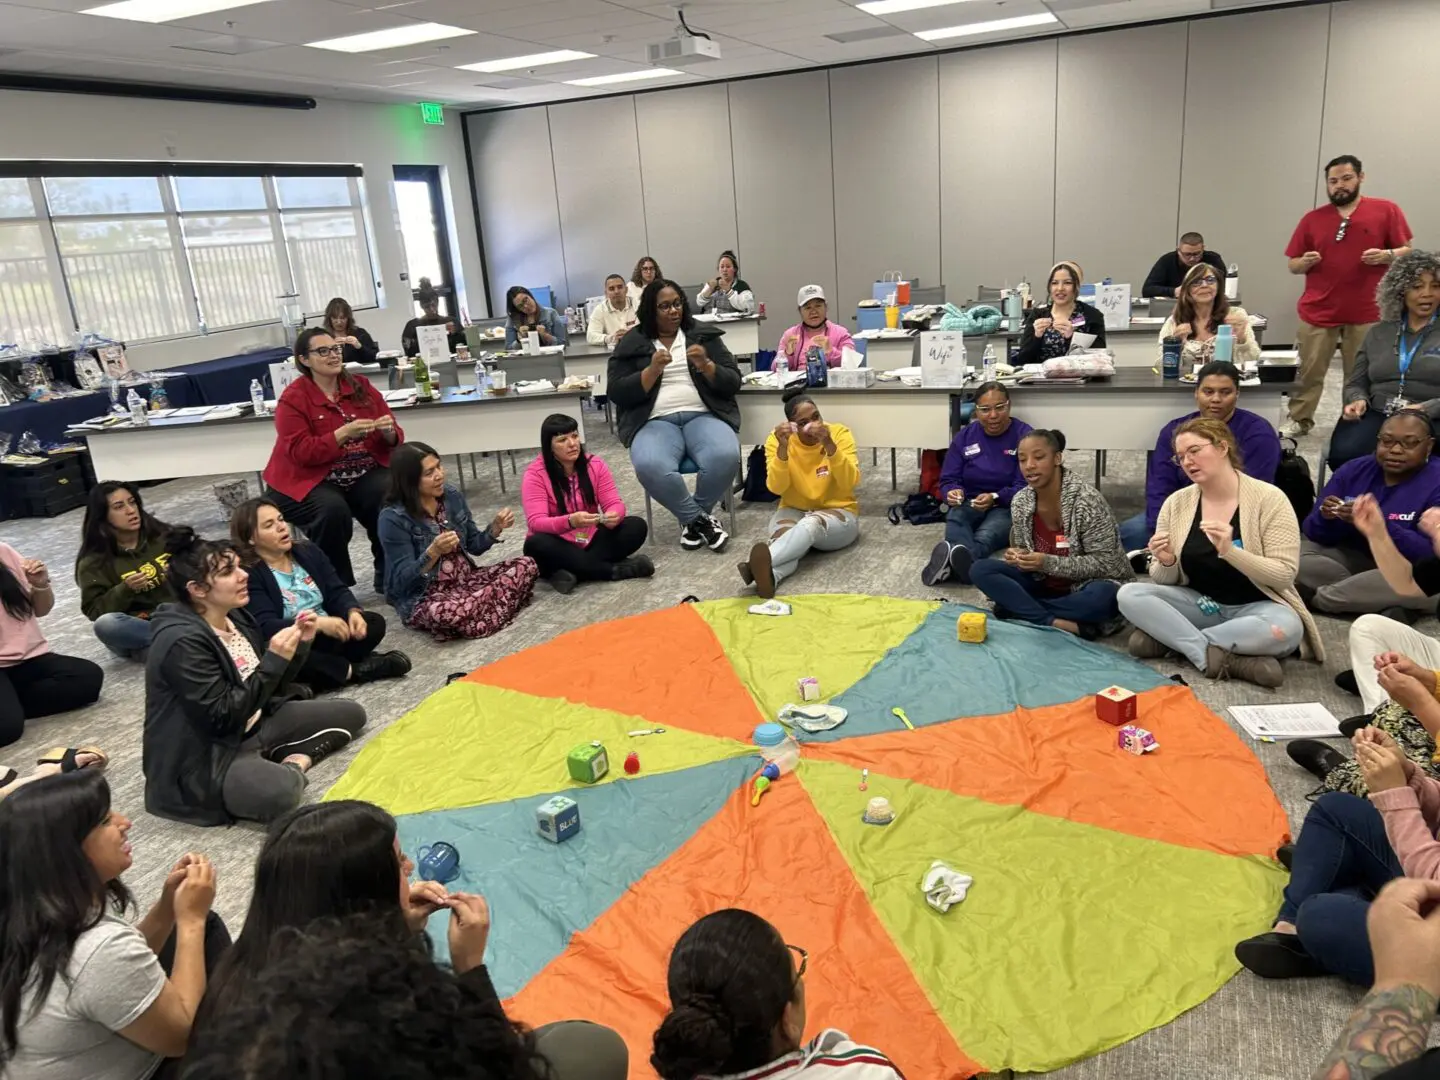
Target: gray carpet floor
[{"x": 1259, "y": 1030}]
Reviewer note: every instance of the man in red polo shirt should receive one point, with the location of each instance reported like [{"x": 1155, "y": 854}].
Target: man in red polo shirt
[{"x": 1342, "y": 248}]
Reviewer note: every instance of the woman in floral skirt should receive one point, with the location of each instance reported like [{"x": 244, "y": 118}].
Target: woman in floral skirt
[{"x": 430, "y": 538}]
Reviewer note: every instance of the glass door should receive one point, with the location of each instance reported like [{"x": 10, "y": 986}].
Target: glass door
[{"x": 421, "y": 210}]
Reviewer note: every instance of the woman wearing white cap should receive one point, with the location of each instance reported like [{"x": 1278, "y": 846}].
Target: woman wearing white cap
[{"x": 814, "y": 329}]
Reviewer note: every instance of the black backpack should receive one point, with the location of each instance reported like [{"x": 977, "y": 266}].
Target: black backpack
[
  {"x": 922, "y": 508},
  {"x": 1293, "y": 478}
]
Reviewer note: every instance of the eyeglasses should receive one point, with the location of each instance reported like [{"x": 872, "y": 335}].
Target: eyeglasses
[
  {"x": 327, "y": 350},
  {"x": 1182, "y": 456},
  {"x": 804, "y": 960},
  {"x": 1340, "y": 233},
  {"x": 991, "y": 410},
  {"x": 671, "y": 305},
  {"x": 1208, "y": 279},
  {"x": 1389, "y": 442}
]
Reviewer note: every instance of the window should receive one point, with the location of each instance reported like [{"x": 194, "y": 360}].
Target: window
[{"x": 178, "y": 252}]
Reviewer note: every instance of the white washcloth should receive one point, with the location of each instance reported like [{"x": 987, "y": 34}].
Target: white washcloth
[
  {"x": 944, "y": 887},
  {"x": 812, "y": 716}
]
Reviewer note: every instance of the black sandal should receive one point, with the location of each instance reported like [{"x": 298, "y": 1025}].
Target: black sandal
[{"x": 65, "y": 757}]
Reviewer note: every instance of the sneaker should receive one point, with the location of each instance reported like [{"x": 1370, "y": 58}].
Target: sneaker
[
  {"x": 636, "y": 566},
  {"x": 691, "y": 537},
  {"x": 1276, "y": 956},
  {"x": 319, "y": 745},
  {"x": 385, "y": 665},
  {"x": 712, "y": 534},
  {"x": 1297, "y": 429},
  {"x": 1139, "y": 561},
  {"x": 937, "y": 570},
  {"x": 762, "y": 570},
  {"x": 1317, "y": 758},
  {"x": 563, "y": 581},
  {"x": 960, "y": 562},
  {"x": 1144, "y": 647}
]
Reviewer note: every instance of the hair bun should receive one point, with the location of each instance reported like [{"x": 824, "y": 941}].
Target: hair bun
[
  {"x": 1059, "y": 438},
  {"x": 180, "y": 539},
  {"x": 792, "y": 392},
  {"x": 696, "y": 1038}
]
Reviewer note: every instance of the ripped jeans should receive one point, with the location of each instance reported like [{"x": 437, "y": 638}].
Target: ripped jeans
[
  {"x": 1171, "y": 614},
  {"x": 823, "y": 530}
]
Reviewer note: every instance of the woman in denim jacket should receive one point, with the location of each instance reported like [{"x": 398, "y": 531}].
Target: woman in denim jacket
[{"x": 429, "y": 537}]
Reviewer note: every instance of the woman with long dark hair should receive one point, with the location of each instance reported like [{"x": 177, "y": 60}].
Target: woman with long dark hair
[
  {"x": 674, "y": 385},
  {"x": 120, "y": 567},
  {"x": 330, "y": 467},
  {"x": 529, "y": 316},
  {"x": 339, "y": 323},
  {"x": 576, "y": 526},
  {"x": 34, "y": 681},
  {"x": 223, "y": 738},
  {"x": 429, "y": 536},
  {"x": 84, "y": 993},
  {"x": 287, "y": 578},
  {"x": 1050, "y": 327},
  {"x": 727, "y": 291},
  {"x": 342, "y": 860},
  {"x": 646, "y": 270},
  {"x": 737, "y": 1008},
  {"x": 1200, "y": 310}
]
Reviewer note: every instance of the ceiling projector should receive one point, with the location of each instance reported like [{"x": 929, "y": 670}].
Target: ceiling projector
[{"x": 683, "y": 50}]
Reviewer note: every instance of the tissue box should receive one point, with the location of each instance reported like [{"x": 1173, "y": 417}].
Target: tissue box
[
  {"x": 859, "y": 378},
  {"x": 1116, "y": 705},
  {"x": 971, "y": 627},
  {"x": 1136, "y": 740},
  {"x": 808, "y": 688},
  {"x": 558, "y": 819},
  {"x": 587, "y": 762}
]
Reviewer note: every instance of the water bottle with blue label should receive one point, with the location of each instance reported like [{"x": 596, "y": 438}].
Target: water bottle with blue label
[{"x": 988, "y": 364}]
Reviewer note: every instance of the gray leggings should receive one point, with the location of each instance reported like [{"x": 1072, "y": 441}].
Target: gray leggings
[
  {"x": 1171, "y": 615},
  {"x": 580, "y": 1050},
  {"x": 258, "y": 789},
  {"x": 1346, "y": 582}
]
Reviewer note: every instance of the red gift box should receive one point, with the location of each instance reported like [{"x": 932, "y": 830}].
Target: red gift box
[{"x": 1116, "y": 705}]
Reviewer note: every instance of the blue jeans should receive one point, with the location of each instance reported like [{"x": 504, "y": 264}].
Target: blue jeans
[
  {"x": 1342, "y": 859},
  {"x": 1134, "y": 533},
  {"x": 981, "y": 531},
  {"x": 664, "y": 441},
  {"x": 124, "y": 635},
  {"x": 1019, "y": 595},
  {"x": 1171, "y": 615}
]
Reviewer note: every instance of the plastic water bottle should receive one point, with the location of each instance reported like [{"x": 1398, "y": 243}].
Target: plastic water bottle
[
  {"x": 1232, "y": 283},
  {"x": 483, "y": 385},
  {"x": 257, "y": 396},
  {"x": 1224, "y": 343},
  {"x": 137, "y": 409},
  {"x": 988, "y": 364}
]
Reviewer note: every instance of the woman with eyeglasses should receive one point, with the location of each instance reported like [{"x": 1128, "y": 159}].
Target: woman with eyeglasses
[
  {"x": 1337, "y": 573},
  {"x": 673, "y": 383},
  {"x": 1050, "y": 328},
  {"x": 737, "y": 1010},
  {"x": 646, "y": 271},
  {"x": 1398, "y": 364},
  {"x": 1064, "y": 563},
  {"x": 981, "y": 476},
  {"x": 339, "y": 323},
  {"x": 330, "y": 467},
  {"x": 1200, "y": 310},
  {"x": 1224, "y": 557},
  {"x": 528, "y": 316},
  {"x": 727, "y": 291}
]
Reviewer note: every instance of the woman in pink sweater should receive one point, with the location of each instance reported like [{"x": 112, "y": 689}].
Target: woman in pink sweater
[
  {"x": 1349, "y": 849},
  {"x": 575, "y": 519},
  {"x": 815, "y": 328}
]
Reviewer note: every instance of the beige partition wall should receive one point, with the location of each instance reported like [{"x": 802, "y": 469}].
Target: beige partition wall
[
  {"x": 597, "y": 184},
  {"x": 784, "y": 196},
  {"x": 997, "y": 166},
  {"x": 687, "y": 175},
  {"x": 1250, "y": 146},
  {"x": 514, "y": 177},
  {"x": 884, "y": 119}
]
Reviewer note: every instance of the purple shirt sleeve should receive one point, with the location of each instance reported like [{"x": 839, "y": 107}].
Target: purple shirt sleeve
[
  {"x": 1259, "y": 446},
  {"x": 952, "y": 476},
  {"x": 1329, "y": 531},
  {"x": 1164, "y": 477},
  {"x": 1019, "y": 429}
]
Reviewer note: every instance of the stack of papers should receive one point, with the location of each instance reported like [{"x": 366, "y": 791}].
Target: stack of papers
[
  {"x": 1299, "y": 720},
  {"x": 724, "y": 316},
  {"x": 226, "y": 412}
]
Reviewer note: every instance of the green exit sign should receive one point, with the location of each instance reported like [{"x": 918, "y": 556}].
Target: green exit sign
[{"x": 432, "y": 112}]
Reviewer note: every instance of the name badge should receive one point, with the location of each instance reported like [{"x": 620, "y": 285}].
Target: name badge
[
  {"x": 972, "y": 449},
  {"x": 1062, "y": 545},
  {"x": 1395, "y": 404},
  {"x": 823, "y": 471},
  {"x": 1077, "y": 319}
]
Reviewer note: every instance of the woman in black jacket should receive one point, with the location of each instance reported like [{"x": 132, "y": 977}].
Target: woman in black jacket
[
  {"x": 1049, "y": 329},
  {"x": 360, "y": 347},
  {"x": 287, "y": 578},
  {"x": 221, "y": 741},
  {"x": 673, "y": 383}
]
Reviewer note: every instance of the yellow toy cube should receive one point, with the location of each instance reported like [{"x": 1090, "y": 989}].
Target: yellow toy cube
[{"x": 971, "y": 627}]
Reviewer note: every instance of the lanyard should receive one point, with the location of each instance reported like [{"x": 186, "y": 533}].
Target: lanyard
[{"x": 1407, "y": 354}]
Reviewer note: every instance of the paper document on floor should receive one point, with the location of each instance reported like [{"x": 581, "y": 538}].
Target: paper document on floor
[{"x": 1298, "y": 720}]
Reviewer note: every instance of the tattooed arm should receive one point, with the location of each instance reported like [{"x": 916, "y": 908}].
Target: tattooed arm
[
  {"x": 1389, "y": 1028},
  {"x": 1392, "y": 1024}
]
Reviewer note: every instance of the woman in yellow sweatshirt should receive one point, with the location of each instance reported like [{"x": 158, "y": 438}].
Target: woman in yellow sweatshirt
[{"x": 812, "y": 466}]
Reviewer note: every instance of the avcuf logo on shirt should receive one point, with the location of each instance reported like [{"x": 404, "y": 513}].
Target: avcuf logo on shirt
[{"x": 1401, "y": 517}]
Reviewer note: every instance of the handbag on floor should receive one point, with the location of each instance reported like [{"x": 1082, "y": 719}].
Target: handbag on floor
[
  {"x": 754, "y": 489},
  {"x": 1292, "y": 477}
]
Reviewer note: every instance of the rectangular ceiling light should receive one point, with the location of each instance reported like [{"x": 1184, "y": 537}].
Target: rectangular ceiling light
[
  {"x": 991, "y": 27},
  {"x": 892, "y": 7},
  {"x": 158, "y": 11},
  {"x": 515, "y": 63},
  {"x": 394, "y": 38},
  {"x": 624, "y": 77}
]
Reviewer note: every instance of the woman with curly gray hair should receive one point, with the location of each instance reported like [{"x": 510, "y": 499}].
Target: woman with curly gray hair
[{"x": 1398, "y": 366}]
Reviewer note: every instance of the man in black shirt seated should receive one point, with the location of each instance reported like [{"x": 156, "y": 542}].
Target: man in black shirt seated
[{"x": 1170, "y": 269}]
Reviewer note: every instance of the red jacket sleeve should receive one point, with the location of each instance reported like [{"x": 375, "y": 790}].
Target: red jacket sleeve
[{"x": 304, "y": 441}]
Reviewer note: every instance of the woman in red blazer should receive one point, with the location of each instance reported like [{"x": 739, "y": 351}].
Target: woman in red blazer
[{"x": 330, "y": 465}]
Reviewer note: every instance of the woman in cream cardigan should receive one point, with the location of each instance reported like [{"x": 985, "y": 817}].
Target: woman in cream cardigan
[
  {"x": 1200, "y": 310},
  {"x": 1222, "y": 569}
]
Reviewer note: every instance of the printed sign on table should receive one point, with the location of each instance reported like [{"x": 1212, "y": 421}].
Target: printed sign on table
[
  {"x": 942, "y": 358},
  {"x": 1114, "y": 303}
]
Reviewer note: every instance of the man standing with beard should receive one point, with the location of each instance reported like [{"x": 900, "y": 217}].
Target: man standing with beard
[{"x": 1342, "y": 248}]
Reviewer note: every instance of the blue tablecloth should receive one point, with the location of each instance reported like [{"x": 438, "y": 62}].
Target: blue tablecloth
[
  {"x": 49, "y": 419},
  {"x": 226, "y": 380}
]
